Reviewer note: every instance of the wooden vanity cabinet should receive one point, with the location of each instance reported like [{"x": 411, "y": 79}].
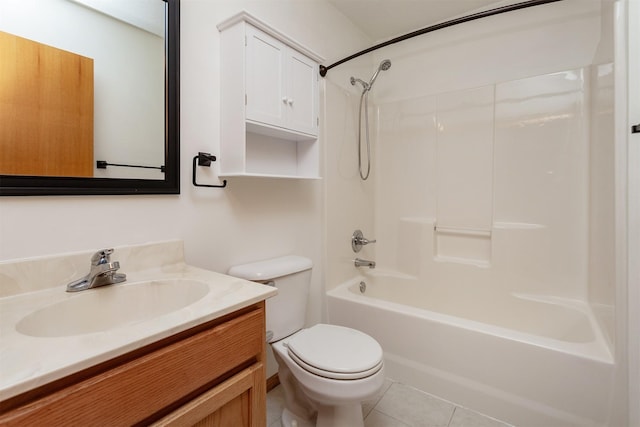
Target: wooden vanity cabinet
[{"x": 210, "y": 375}]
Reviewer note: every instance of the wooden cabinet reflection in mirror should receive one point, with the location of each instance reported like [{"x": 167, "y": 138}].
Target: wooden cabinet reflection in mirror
[{"x": 46, "y": 110}]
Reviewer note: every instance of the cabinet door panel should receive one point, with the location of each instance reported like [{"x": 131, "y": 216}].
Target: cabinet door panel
[
  {"x": 238, "y": 402},
  {"x": 302, "y": 87},
  {"x": 235, "y": 413},
  {"x": 266, "y": 100}
]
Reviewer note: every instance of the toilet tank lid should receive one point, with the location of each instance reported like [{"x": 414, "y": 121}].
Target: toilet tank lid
[{"x": 271, "y": 268}]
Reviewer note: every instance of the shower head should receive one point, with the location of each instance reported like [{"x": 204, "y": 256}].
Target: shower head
[
  {"x": 366, "y": 87},
  {"x": 384, "y": 66}
]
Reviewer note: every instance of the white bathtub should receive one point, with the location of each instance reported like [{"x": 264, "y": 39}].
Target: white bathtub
[{"x": 528, "y": 360}]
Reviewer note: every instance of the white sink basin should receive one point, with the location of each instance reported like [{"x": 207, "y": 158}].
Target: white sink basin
[{"x": 110, "y": 307}]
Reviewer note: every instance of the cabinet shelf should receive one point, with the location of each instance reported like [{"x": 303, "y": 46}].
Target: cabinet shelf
[
  {"x": 277, "y": 132},
  {"x": 269, "y": 92},
  {"x": 267, "y": 175}
]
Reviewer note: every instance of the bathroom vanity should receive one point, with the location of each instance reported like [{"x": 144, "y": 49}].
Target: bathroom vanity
[{"x": 200, "y": 363}]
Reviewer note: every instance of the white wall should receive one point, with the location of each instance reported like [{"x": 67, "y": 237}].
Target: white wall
[
  {"x": 251, "y": 219},
  {"x": 519, "y": 44}
]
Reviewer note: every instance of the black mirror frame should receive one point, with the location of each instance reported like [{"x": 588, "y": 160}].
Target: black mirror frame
[{"x": 16, "y": 185}]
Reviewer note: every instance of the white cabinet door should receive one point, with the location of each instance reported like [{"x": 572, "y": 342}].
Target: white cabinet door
[
  {"x": 281, "y": 84},
  {"x": 302, "y": 87},
  {"x": 266, "y": 99}
]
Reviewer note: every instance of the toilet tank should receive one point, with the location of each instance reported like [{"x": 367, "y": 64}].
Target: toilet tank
[{"x": 291, "y": 275}]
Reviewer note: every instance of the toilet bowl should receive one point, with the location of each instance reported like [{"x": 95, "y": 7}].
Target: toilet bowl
[{"x": 326, "y": 371}]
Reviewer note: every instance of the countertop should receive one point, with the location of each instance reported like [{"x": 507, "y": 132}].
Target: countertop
[{"x": 27, "y": 362}]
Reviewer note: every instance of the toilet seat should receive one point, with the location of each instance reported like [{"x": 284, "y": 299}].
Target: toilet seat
[
  {"x": 335, "y": 375},
  {"x": 335, "y": 352}
]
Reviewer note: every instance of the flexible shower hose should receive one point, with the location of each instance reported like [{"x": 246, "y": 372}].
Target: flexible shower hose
[{"x": 364, "y": 98}]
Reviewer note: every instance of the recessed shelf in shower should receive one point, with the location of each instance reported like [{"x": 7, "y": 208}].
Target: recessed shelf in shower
[{"x": 462, "y": 245}]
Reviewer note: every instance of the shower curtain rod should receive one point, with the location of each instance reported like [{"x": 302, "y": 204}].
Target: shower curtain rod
[{"x": 472, "y": 17}]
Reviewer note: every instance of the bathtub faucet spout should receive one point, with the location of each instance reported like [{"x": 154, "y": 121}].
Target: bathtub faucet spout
[{"x": 364, "y": 263}]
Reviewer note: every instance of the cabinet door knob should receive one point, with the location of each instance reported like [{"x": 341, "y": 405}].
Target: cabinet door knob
[
  {"x": 290, "y": 101},
  {"x": 284, "y": 99}
]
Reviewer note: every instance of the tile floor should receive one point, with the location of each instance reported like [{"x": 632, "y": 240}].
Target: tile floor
[{"x": 398, "y": 405}]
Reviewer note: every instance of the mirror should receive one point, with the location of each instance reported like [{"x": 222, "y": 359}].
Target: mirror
[{"x": 113, "y": 120}]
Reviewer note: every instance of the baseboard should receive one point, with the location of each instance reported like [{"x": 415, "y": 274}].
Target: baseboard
[{"x": 272, "y": 382}]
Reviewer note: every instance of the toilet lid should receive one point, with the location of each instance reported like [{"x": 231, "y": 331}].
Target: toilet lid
[{"x": 336, "y": 352}]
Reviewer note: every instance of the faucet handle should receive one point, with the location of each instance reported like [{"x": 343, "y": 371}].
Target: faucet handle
[
  {"x": 103, "y": 256},
  {"x": 358, "y": 241}
]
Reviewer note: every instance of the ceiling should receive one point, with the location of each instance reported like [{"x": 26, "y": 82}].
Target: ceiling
[{"x": 384, "y": 19}]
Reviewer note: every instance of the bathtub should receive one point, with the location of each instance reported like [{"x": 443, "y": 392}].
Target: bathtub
[{"x": 529, "y": 360}]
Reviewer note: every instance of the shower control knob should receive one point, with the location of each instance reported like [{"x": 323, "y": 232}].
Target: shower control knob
[{"x": 358, "y": 241}]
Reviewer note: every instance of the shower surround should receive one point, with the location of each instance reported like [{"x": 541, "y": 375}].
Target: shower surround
[
  {"x": 499, "y": 180},
  {"x": 492, "y": 185}
]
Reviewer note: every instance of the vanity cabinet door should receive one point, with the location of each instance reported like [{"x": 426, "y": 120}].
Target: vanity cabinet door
[{"x": 236, "y": 402}]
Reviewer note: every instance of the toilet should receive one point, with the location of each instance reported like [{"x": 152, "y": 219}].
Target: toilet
[{"x": 326, "y": 370}]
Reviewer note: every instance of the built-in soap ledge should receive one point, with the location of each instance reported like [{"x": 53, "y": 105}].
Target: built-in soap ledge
[{"x": 471, "y": 246}]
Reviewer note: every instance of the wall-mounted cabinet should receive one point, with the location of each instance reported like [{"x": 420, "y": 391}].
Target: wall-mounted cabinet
[{"x": 269, "y": 108}]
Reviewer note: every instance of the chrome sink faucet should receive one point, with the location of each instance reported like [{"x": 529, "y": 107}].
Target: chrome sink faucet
[{"x": 102, "y": 272}]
